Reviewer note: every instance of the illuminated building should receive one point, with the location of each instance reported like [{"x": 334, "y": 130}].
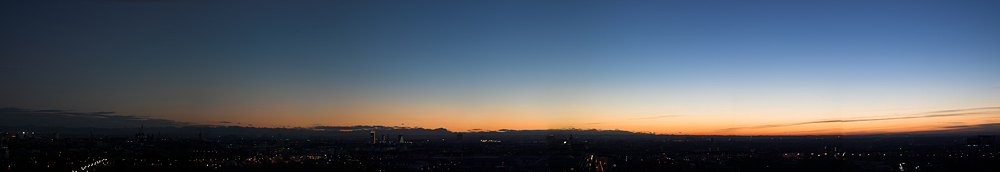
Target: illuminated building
[
  {"x": 141, "y": 135},
  {"x": 401, "y": 138},
  {"x": 981, "y": 144},
  {"x": 824, "y": 150},
  {"x": 373, "y": 137},
  {"x": 4, "y": 150}
]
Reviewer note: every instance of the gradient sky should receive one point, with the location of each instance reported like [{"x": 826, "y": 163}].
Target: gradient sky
[{"x": 690, "y": 67}]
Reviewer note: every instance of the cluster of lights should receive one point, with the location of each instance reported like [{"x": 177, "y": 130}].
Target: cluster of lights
[
  {"x": 84, "y": 168},
  {"x": 490, "y": 141}
]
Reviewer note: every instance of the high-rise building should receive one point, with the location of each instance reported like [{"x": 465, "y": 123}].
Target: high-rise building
[
  {"x": 551, "y": 139},
  {"x": 4, "y": 150},
  {"x": 373, "y": 137},
  {"x": 401, "y": 138},
  {"x": 569, "y": 143}
]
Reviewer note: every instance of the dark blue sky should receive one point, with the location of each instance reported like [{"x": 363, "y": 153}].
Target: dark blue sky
[{"x": 197, "y": 61}]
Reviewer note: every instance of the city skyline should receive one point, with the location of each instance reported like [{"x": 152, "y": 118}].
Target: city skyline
[{"x": 669, "y": 67}]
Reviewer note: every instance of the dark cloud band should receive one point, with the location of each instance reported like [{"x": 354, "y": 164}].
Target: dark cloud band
[{"x": 65, "y": 118}]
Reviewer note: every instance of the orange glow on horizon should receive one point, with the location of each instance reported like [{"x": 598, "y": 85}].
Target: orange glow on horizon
[{"x": 463, "y": 120}]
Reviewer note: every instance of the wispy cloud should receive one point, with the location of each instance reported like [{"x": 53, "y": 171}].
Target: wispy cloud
[
  {"x": 964, "y": 110},
  {"x": 367, "y": 128},
  {"x": 990, "y": 125},
  {"x": 225, "y": 122},
  {"x": 65, "y": 118},
  {"x": 932, "y": 114},
  {"x": 985, "y": 128},
  {"x": 642, "y": 118},
  {"x": 657, "y": 117},
  {"x": 349, "y": 128},
  {"x": 817, "y": 131}
]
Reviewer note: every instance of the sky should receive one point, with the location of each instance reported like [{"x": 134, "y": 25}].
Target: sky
[{"x": 669, "y": 67}]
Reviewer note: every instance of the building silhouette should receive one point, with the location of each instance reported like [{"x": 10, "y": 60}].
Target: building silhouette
[
  {"x": 569, "y": 143},
  {"x": 401, "y": 138},
  {"x": 3, "y": 148}
]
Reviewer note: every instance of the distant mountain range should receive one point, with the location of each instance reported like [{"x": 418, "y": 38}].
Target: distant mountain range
[{"x": 363, "y": 132}]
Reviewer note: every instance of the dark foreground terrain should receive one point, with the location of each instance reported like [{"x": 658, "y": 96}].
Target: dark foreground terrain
[{"x": 515, "y": 153}]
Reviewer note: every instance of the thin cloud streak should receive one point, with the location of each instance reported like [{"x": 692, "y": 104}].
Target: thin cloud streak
[
  {"x": 643, "y": 118},
  {"x": 844, "y": 121},
  {"x": 932, "y": 114},
  {"x": 986, "y": 128},
  {"x": 18, "y": 117},
  {"x": 962, "y": 110},
  {"x": 989, "y": 125},
  {"x": 818, "y": 131},
  {"x": 657, "y": 117}
]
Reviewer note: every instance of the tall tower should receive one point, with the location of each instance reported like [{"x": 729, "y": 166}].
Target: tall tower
[
  {"x": 373, "y": 137},
  {"x": 570, "y": 142},
  {"x": 401, "y": 138}
]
